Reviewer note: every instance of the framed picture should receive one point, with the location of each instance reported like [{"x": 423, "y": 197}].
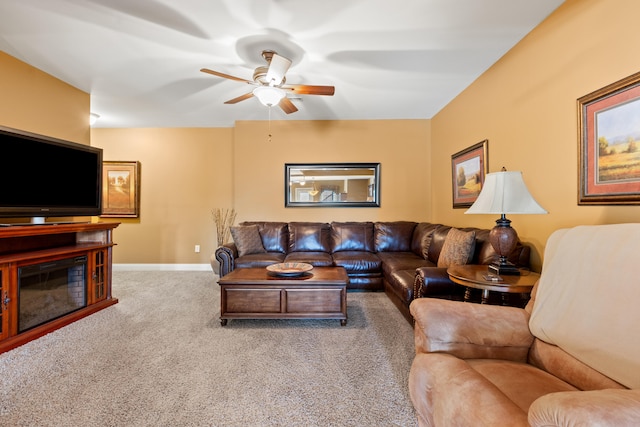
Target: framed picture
[
  {"x": 121, "y": 189},
  {"x": 609, "y": 144},
  {"x": 468, "y": 170}
]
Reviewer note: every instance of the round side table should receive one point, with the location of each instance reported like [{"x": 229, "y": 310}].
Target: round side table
[{"x": 479, "y": 277}]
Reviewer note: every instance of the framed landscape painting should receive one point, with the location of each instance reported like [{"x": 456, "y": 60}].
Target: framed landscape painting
[
  {"x": 609, "y": 144},
  {"x": 120, "y": 189},
  {"x": 468, "y": 170}
]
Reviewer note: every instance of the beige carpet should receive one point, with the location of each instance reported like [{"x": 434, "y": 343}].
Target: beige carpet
[{"x": 160, "y": 358}]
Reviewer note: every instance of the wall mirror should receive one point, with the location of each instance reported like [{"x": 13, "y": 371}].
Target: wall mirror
[{"x": 332, "y": 184}]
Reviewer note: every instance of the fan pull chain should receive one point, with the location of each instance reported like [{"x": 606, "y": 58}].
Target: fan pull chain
[{"x": 269, "y": 140}]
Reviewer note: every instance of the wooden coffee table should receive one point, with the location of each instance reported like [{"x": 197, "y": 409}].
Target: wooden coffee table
[{"x": 254, "y": 293}]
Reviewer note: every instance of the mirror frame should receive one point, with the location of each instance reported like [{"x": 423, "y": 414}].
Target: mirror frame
[{"x": 374, "y": 192}]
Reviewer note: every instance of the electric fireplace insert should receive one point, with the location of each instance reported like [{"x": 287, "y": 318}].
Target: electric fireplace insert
[{"x": 50, "y": 290}]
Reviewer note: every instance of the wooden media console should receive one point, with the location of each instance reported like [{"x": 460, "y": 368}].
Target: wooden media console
[{"x": 68, "y": 264}]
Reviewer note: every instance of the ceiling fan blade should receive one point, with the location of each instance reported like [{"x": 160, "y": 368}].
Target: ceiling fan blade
[
  {"x": 310, "y": 90},
  {"x": 278, "y": 67},
  {"x": 226, "y": 76},
  {"x": 287, "y": 106},
  {"x": 240, "y": 98}
]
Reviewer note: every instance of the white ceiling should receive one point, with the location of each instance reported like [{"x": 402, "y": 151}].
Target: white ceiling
[{"x": 140, "y": 59}]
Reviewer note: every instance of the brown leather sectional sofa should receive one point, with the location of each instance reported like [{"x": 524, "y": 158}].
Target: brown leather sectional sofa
[{"x": 399, "y": 257}]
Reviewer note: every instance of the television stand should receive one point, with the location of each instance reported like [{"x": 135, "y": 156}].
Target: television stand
[
  {"x": 23, "y": 248},
  {"x": 27, "y": 224}
]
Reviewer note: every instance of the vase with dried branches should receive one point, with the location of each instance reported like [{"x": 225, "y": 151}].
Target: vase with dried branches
[{"x": 224, "y": 219}]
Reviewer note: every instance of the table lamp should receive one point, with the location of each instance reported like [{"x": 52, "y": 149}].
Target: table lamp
[{"x": 504, "y": 193}]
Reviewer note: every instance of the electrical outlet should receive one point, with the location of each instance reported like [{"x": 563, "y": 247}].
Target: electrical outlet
[{"x": 197, "y": 249}]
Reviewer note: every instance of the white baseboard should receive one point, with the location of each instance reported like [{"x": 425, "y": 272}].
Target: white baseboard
[{"x": 162, "y": 267}]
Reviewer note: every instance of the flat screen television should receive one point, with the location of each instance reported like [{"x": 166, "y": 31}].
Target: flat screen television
[{"x": 43, "y": 177}]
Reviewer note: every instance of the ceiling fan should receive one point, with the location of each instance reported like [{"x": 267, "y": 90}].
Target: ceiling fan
[{"x": 270, "y": 81}]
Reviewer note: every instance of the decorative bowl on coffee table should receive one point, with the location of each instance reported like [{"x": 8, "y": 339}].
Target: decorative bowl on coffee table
[{"x": 289, "y": 268}]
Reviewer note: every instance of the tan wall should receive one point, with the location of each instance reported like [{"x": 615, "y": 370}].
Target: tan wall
[
  {"x": 525, "y": 105},
  {"x": 185, "y": 173},
  {"x": 400, "y": 146},
  {"x": 37, "y": 102},
  {"x": 188, "y": 172}
]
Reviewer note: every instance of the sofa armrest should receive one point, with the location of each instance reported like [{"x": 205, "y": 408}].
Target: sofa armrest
[
  {"x": 435, "y": 282},
  {"x": 610, "y": 407},
  {"x": 471, "y": 331},
  {"x": 226, "y": 255}
]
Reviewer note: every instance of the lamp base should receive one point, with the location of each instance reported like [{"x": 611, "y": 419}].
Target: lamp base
[{"x": 504, "y": 269}]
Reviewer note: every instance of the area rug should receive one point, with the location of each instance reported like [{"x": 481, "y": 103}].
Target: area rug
[{"x": 161, "y": 358}]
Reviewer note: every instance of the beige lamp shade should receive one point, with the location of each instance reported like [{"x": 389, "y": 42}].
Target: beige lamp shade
[{"x": 505, "y": 193}]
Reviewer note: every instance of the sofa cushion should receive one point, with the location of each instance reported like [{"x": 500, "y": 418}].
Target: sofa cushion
[
  {"x": 357, "y": 261},
  {"x": 579, "y": 305},
  {"x": 446, "y": 391},
  {"x": 393, "y": 261},
  {"x": 521, "y": 383},
  {"x": 437, "y": 241},
  {"x": 259, "y": 260},
  {"x": 315, "y": 258},
  {"x": 352, "y": 236},
  {"x": 458, "y": 248},
  {"x": 421, "y": 240},
  {"x": 393, "y": 236},
  {"x": 274, "y": 235},
  {"x": 309, "y": 236},
  {"x": 247, "y": 239}
]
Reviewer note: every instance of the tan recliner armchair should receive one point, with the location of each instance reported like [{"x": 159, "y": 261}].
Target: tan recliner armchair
[{"x": 570, "y": 358}]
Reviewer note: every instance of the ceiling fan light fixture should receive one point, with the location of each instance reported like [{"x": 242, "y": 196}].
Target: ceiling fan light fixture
[
  {"x": 268, "y": 95},
  {"x": 270, "y": 84}
]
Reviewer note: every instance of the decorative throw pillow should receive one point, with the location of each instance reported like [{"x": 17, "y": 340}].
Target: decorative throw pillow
[
  {"x": 458, "y": 248},
  {"x": 393, "y": 236},
  {"x": 426, "y": 242},
  {"x": 247, "y": 239}
]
